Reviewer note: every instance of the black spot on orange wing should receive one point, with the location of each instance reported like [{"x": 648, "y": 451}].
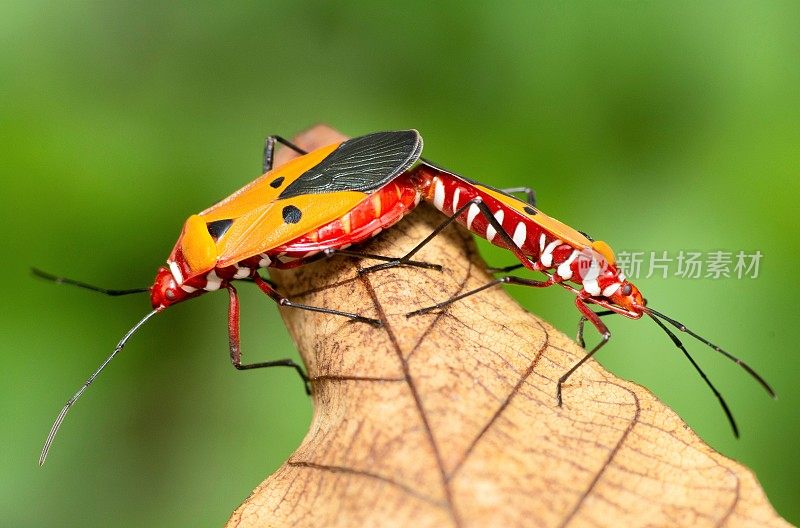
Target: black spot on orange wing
[
  {"x": 276, "y": 182},
  {"x": 362, "y": 164},
  {"x": 530, "y": 210},
  {"x": 291, "y": 214},
  {"x": 217, "y": 228}
]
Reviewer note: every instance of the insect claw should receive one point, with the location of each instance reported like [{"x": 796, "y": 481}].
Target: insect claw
[
  {"x": 422, "y": 311},
  {"x": 355, "y": 318},
  {"x": 377, "y": 323},
  {"x": 420, "y": 264}
]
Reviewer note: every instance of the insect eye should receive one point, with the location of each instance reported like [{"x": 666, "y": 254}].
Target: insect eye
[
  {"x": 170, "y": 294},
  {"x": 626, "y": 289}
]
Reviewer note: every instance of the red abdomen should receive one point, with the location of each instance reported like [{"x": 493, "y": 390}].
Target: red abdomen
[
  {"x": 378, "y": 211},
  {"x": 449, "y": 192}
]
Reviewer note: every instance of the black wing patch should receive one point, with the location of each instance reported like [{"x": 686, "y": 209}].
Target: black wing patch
[
  {"x": 217, "y": 228},
  {"x": 363, "y": 164},
  {"x": 291, "y": 214}
]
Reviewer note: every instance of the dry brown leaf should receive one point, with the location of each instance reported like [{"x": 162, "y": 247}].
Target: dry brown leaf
[{"x": 450, "y": 419}]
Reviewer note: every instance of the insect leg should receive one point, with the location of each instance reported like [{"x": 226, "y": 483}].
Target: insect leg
[
  {"x": 358, "y": 254},
  {"x": 605, "y": 335},
  {"x": 484, "y": 210},
  {"x": 283, "y": 301},
  {"x": 502, "y": 280},
  {"x": 269, "y": 150},
  {"x": 530, "y": 194},
  {"x": 505, "y": 269},
  {"x": 583, "y": 320},
  {"x": 236, "y": 351}
]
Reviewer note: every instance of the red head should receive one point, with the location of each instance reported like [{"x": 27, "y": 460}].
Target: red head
[
  {"x": 597, "y": 266},
  {"x": 628, "y": 297},
  {"x": 165, "y": 290}
]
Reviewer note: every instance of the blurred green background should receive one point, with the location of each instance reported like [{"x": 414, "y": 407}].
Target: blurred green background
[{"x": 655, "y": 126}]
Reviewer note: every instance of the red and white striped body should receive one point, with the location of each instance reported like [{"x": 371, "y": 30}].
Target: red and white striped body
[{"x": 548, "y": 245}]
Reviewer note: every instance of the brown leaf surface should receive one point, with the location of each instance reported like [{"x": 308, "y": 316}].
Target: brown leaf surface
[{"x": 450, "y": 419}]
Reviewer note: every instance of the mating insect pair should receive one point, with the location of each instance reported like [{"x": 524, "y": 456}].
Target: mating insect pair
[{"x": 324, "y": 201}]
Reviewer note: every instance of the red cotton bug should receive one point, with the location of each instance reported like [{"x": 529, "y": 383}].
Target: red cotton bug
[
  {"x": 568, "y": 258},
  {"x": 315, "y": 205},
  {"x": 324, "y": 201}
]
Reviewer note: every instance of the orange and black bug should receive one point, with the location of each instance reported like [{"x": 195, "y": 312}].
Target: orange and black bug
[
  {"x": 319, "y": 203},
  {"x": 346, "y": 193}
]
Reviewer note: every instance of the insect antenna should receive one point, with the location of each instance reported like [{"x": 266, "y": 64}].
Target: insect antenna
[
  {"x": 679, "y": 344},
  {"x": 745, "y": 366},
  {"x": 60, "y": 418},
  {"x": 63, "y": 280}
]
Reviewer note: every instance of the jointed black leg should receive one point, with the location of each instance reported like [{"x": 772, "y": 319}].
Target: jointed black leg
[
  {"x": 268, "y": 281},
  {"x": 605, "y": 335},
  {"x": 283, "y": 301},
  {"x": 355, "y": 317},
  {"x": 279, "y": 363},
  {"x": 442, "y": 304},
  {"x": 530, "y": 194},
  {"x": 235, "y": 347},
  {"x": 358, "y": 254},
  {"x": 583, "y": 320},
  {"x": 502, "y": 280},
  {"x": 505, "y": 269},
  {"x": 484, "y": 210},
  {"x": 269, "y": 150}
]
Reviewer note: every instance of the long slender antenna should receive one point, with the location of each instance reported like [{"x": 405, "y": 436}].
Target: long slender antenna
[
  {"x": 71, "y": 402},
  {"x": 745, "y": 366},
  {"x": 678, "y": 343},
  {"x": 79, "y": 284}
]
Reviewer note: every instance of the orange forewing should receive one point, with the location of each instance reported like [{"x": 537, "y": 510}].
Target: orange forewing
[
  {"x": 557, "y": 228},
  {"x": 257, "y": 213},
  {"x": 259, "y": 192},
  {"x": 264, "y": 228},
  {"x": 567, "y": 234},
  {"x": 262, "y": 216}
]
